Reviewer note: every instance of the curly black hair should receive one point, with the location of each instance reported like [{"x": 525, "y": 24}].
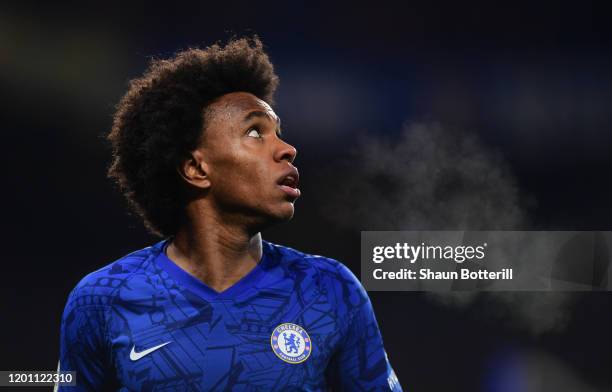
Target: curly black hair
[{"x": 162, "y": 118}]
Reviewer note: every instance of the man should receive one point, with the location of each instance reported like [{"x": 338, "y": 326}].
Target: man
[{"x": 198, "y": 153}]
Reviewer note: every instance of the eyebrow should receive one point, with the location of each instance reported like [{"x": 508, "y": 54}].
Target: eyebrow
[{"x": 261, "y": 113}]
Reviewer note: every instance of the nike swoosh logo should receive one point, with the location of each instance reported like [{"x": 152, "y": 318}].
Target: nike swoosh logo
[{"x": 134, "y": 356}]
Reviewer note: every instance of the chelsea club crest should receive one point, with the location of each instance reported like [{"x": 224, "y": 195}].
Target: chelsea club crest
[{"x": 291, "y": 343}]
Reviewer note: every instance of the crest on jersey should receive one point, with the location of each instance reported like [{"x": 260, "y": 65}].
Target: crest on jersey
[{"x": 291, "y": 343}]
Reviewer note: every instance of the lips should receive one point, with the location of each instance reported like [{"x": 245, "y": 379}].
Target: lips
[
  {"x": 289, "y": 182},
  {"x": 290, "y": 178}
]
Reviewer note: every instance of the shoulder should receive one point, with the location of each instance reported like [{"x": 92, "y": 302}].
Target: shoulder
[
  {"x": 295, "y": 258},
  {"x": 98, "y": 288},
  {"x": 332, "y": 275}
]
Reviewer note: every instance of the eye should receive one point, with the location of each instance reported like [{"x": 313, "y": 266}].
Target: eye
[{"x": 254, "y": 132}]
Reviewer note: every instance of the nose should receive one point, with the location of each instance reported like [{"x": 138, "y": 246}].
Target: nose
[{"x": 285, "y": 151}]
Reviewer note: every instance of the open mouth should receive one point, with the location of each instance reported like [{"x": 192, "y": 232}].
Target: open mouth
[{"x": 289, "y": 183}]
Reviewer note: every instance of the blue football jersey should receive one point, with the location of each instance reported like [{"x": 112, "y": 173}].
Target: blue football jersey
[{"x": 296, "y": 322}]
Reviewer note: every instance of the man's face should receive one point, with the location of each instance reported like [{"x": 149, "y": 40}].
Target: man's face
[{"x": 249, "y": 166}]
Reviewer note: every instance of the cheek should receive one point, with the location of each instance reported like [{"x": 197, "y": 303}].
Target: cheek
[{"x": 242, "y": 179}]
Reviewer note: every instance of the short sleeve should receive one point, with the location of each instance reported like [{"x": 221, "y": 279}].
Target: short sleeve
[
  {"x": 360, "y": 363},
  {"x": 82, "y": 343}
]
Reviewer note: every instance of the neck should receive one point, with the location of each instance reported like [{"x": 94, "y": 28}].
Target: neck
[{"x": 215, "y": 251}]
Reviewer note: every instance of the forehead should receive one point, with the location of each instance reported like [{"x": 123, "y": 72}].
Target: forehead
[{"x": 235, "y": 107}]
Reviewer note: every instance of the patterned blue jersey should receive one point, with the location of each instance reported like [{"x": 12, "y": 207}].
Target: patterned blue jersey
[{"x": 296, "y": 322}]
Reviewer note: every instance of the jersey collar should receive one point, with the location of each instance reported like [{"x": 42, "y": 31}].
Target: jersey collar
[{"x": 185, "y": 279}]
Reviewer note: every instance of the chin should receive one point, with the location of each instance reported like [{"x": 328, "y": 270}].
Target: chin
[
  {"x": 282, "y": 214},
  {"x": 287, "y": 212}
]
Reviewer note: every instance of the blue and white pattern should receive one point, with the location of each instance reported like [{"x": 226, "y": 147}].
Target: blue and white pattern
[
  {"x": 291, "y": 343},
  {"x": 144, "y": 324}
]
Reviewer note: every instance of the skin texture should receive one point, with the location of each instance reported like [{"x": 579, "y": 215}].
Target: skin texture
[{"x": 234, "y": 176}]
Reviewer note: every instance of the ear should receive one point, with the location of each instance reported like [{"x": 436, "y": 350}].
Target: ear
[{"x": 194, "y": 170}]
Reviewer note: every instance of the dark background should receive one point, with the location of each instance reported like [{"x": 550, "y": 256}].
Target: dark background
[{"x": 532, "y": 82}]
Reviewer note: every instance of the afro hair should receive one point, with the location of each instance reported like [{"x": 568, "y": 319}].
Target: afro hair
[{"x": 162, "y": 118}]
